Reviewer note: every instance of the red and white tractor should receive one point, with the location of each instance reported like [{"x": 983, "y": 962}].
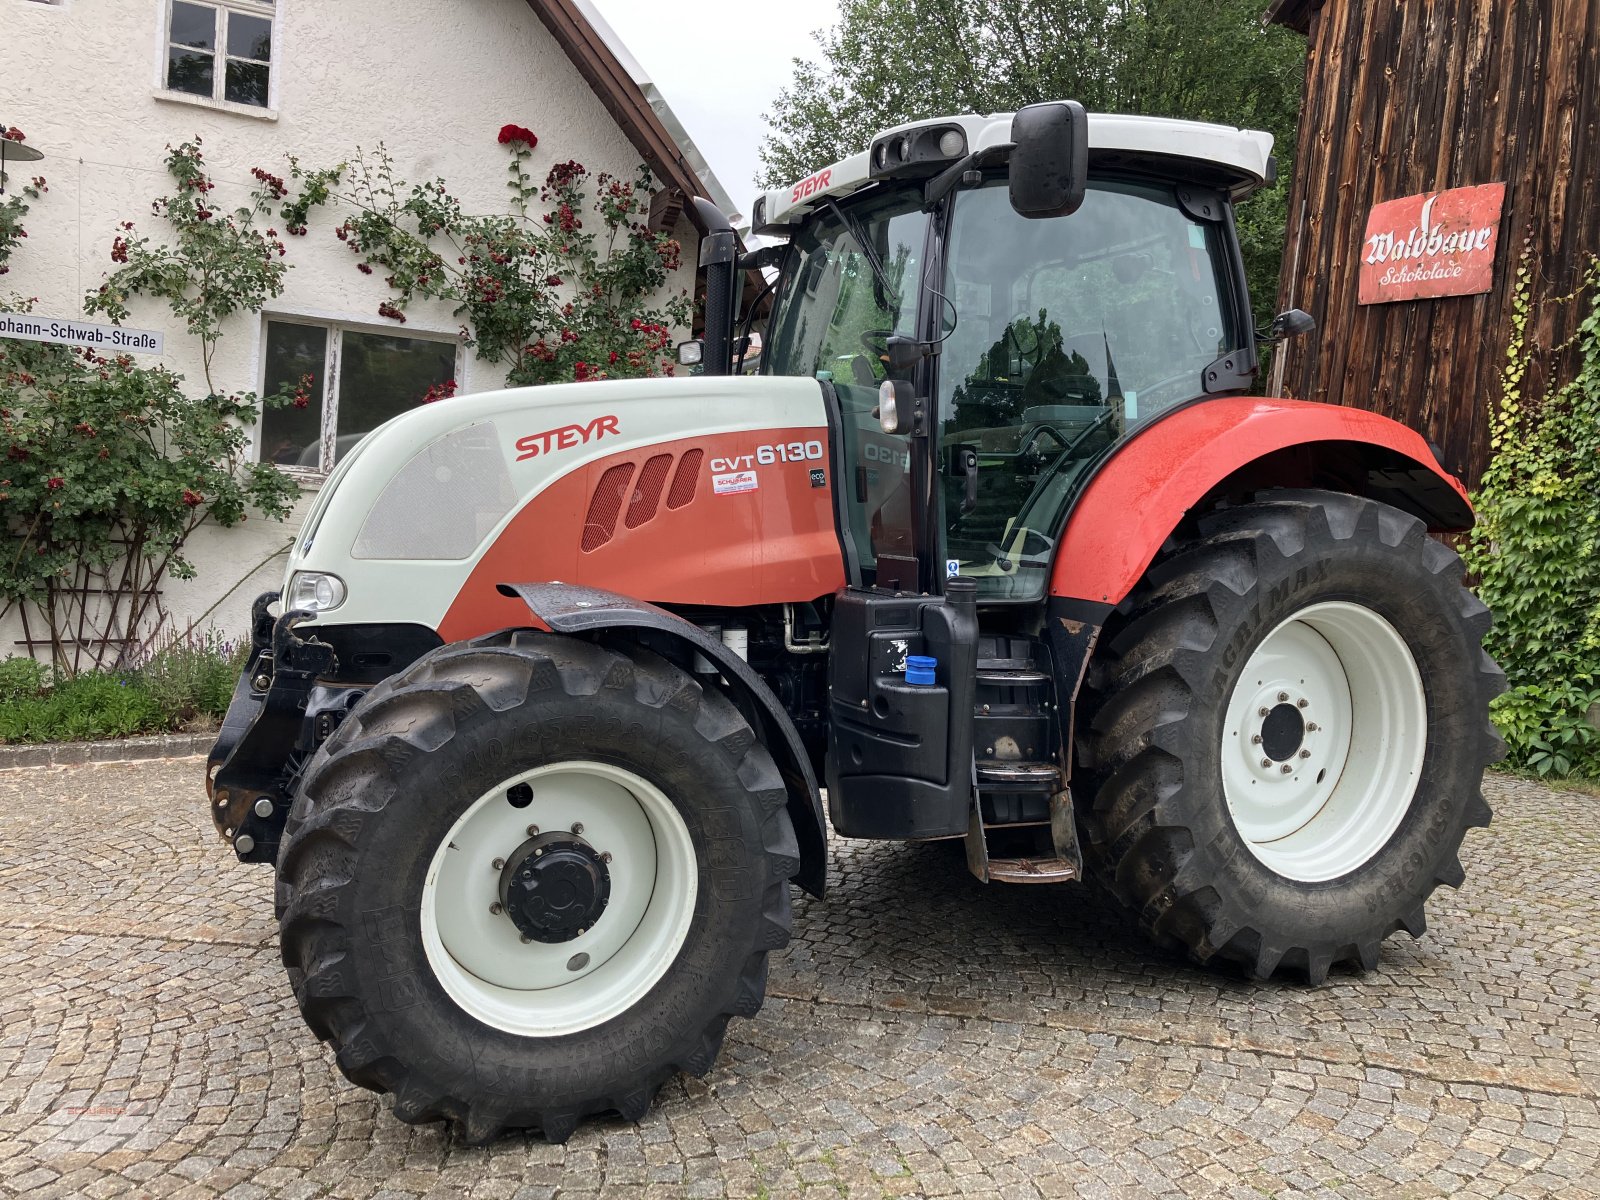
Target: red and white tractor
[{"x": 997, "y": 546}]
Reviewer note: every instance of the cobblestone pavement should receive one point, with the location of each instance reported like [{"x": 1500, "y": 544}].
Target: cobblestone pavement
[{"x": 924, "y": 1036}]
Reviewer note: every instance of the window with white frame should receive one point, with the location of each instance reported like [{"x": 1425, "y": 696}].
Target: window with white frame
[
  {"x": 359, "y": 379},
  {"x": 220, "y": 50}
]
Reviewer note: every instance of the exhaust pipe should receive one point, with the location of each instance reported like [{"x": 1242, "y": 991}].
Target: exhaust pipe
[{"x": 719, "y": 255}]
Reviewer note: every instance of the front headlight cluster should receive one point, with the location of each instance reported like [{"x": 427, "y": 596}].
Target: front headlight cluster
[{"x": 315, "y": 591}]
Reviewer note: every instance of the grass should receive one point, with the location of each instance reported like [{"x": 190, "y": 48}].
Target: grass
[{"x": 184, "y": 684}]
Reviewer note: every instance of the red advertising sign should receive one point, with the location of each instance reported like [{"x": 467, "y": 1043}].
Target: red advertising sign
[{"x": 1436, "y": 244}]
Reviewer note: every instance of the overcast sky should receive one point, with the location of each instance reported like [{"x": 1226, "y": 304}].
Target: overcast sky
[{"x": 720, "y": 64}]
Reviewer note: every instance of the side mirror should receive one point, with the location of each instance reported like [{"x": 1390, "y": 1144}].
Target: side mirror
[
  {"x": 1290, "y": 324},
  {"x": 1050, "y": 159}
]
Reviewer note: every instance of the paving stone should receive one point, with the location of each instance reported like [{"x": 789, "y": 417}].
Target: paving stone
[{"x": 924, "y": 1036}]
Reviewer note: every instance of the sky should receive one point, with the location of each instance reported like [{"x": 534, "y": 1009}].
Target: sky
[{"x": 720, "y": 65}]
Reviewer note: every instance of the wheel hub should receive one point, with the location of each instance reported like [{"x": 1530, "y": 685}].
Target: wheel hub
[
  {"x": 554, "y": 887},
  {"x": 1282, "y": 731}
]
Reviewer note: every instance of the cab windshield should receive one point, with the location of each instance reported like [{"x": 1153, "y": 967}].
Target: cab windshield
[
  {"x": 1072, "y": 332},
  {"x": 1060, "y": 337}
]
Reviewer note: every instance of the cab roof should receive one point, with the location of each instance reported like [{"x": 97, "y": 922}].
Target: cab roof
[{"x": 1237, "y": 160}]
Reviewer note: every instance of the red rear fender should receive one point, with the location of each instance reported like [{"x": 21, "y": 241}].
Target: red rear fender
[{"x": 1227, "y": 449}]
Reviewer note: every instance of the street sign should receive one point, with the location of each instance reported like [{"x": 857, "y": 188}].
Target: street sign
[
  {"x": 1435, "y": 244},
  {"x": 113, "y": 339}
]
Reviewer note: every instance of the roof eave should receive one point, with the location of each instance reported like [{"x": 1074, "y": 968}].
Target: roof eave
[
  {"x": 1296, "y": 14},
  {"x": 621, "y": 96}
]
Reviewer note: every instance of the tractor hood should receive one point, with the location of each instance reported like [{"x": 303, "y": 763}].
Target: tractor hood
[{"x": 689, "y": 490}]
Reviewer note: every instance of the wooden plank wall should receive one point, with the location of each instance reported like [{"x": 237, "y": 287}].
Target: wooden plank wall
[{"x": 1409, "y": 96}]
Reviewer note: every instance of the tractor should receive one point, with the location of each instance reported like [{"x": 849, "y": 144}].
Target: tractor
[{"x": 1000, "y": 545}]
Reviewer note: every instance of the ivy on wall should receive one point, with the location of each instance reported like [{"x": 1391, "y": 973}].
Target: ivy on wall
[{"x": 1536, "y": 551}]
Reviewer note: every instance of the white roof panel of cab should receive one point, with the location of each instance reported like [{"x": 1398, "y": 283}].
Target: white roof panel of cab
[{"x": 1239, "y": 151}]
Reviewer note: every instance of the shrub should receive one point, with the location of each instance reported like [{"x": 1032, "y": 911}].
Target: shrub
[
  {"x": 193, "y": 677},
  {"x": 1536, "y": 553},
  {"x": 92, "y": 705},
  {"x": 21, "y": 679},
  {"x": 189, "y": 678}
]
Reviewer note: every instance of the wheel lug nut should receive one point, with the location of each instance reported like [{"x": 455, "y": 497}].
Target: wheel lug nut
[
  {"x": 577, "y": 827},
  {"x": 1286, "y": 768},
  {"x": 533, "y": 831},
  {"x": 1302, "y": 703},
  {"x": 605, "y": 856},
  {"x": 1261, "y": 712},
  {"x": 526, "y": 939},
  {"x": 1305, "y": 754},
  {"x": 1255, "y": 739},
  {"x": 498, "y": 864},
  {"x": 1311, "y": 726},
  {"x": 1266, "y": 762},
  {"x": 495, "y": 909},
  {"x": 1282, "y": 696},
  {"x": 539, "y": 853}
]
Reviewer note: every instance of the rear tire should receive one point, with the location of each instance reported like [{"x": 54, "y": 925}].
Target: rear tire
[
  {"x": 1226, "y": 816},
  {"x": 470, "y": 1015}
]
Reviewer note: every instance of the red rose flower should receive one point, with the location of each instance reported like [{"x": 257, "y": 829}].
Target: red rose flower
[
  {"x": 510, "y": 134},
  {"x": 192, "y": 499},
  {"x": 55, "y": 483},
  {"x": 13, "y": 134}
]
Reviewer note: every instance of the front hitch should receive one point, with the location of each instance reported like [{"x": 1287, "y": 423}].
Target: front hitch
[{"x": 249, "y": 769}]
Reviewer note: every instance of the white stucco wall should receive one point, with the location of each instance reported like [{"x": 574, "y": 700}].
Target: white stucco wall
[{"x": 432, "y": 80}]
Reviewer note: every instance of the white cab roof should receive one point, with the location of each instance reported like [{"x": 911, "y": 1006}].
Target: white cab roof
[{"x": 1242, "y": 153}]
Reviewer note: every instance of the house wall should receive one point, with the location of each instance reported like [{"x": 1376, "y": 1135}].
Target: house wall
[
  {"x": 1403, "y": 98},
  {"x": 432, "y": 81}
]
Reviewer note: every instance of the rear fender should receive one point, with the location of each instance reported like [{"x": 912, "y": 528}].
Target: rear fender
[
  {"x": 569, "y": 609},
  {"x": 1227, "y": 449}
]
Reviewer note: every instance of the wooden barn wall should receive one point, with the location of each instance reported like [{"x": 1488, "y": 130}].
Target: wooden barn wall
[{"x": 1405, "y": 97}]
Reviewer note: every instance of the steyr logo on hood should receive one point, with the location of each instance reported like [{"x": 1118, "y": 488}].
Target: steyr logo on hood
[{"x": 564, "y": 437}]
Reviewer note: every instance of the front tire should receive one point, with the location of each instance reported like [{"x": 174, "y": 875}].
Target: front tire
[
  {"x": 1287, "y": 734},
  {"x": 530, "y": 878}
]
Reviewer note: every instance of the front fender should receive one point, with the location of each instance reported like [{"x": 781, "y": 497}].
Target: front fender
[
  {"x": 1227, "y": 448},
  {"x": 571, "y": 609}
]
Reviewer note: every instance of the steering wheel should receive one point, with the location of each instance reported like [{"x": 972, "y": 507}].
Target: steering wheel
[
  {"x": 1022, "y": 335},
  {"x": 876, "y": 343}
]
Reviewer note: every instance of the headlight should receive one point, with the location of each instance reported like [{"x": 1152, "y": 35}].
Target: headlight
[{"x": 314, "y": 591}]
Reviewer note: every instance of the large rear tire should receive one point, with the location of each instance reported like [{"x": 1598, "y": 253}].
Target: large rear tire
[
  {"x": 1287, "y": 732},
  {"x": 531, "y": 878}
]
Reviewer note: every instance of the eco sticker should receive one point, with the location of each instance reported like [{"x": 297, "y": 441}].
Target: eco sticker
[
  {"x": 733, "y": 482},
  {"x": 819, "y": 477}
]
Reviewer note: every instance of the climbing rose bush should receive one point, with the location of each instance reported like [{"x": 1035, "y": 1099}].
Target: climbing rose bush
[{"x": 567, "y": 285}]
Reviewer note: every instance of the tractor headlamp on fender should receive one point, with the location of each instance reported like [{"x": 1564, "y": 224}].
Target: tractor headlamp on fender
[{"x": 315, "y": 591}]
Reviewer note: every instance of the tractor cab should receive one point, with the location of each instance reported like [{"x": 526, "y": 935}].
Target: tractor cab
[{"x": 996, "y": 302}]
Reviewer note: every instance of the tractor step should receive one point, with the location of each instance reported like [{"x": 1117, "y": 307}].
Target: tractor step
[
  {"x": 1008, "y": 676},
  {"x": 1032, "y": 870},
  {"x": 996, "y": 774}
]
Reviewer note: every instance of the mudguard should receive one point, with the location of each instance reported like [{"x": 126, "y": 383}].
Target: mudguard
[
  {"x": 1229, "y": 447},
  {"x": 572, "y": 609}
]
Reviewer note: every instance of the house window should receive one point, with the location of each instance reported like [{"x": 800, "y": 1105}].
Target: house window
[
  {"x": 359, "y": 381},
  {"x": 221, "y": 50}
]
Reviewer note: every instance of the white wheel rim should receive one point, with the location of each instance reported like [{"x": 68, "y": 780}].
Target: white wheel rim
[
  {"x": 539, "y": 989},
  {"x": 1347, "y": 678}
]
